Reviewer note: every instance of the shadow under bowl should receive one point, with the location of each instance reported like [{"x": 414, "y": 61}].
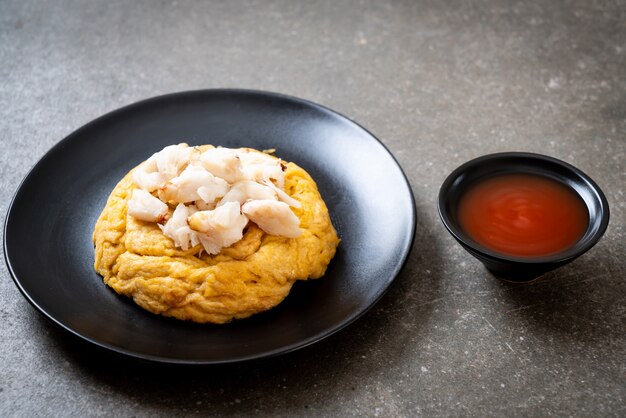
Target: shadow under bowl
[{"x": 519, "y": 268}]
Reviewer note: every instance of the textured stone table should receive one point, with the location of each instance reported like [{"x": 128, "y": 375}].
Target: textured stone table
[{"x": 439, "y": 82}]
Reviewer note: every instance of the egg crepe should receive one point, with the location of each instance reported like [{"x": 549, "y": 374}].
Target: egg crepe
[{"x": 253, "y": 275}]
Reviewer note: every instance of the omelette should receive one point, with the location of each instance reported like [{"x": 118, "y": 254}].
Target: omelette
[{"x": 210, "y": 234}]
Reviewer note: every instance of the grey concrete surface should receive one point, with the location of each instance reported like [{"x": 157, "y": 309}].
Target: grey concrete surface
[{"x": 439, "y": 82}]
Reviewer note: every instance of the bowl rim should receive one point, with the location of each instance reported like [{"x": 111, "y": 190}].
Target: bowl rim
[{"x": 579, "y": 248}]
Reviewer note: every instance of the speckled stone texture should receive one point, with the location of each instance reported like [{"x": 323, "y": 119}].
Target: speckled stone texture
[{"x": 439, "y": 82}]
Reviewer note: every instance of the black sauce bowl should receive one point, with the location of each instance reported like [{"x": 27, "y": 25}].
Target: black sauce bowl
[{"x": 522, "y": 268}]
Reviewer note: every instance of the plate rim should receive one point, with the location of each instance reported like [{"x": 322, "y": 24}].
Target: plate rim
[{"x": 406, "y": 250}]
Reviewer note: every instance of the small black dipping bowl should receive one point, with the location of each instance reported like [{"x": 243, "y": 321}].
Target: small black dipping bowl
[{"x": 522, "y": 268}]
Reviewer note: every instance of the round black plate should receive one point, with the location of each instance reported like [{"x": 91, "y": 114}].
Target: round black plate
[{"x": 49, "y": 252}]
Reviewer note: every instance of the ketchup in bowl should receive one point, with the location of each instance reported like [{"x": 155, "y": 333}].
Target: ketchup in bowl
[{"x": 523, "y": 215}]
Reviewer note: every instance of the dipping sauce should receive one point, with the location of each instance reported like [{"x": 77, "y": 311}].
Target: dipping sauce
[{"x": 523, "y": 215}]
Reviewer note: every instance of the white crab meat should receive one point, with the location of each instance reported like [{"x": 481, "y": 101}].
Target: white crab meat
[
  {"x": 171, "y": 159},
  {"x": 220, "y": 227},
  {"x": 259, "y": 167},
  {"x": 282, "y": 195},
  {"x": 209, "y": 211},
  {"x": 202, "y": 205},
  {"x": 147, "y": 177},
  {"x": 223, "y": 163},
  {"x": 243, "y": 191},
  {"x": 178, "y": 230},
  {"x": 194, "y": 183},
  {"x": 273, "y": 217},
  {"x": 143, "y": 206},
  {"x": 162, "y": 166}
]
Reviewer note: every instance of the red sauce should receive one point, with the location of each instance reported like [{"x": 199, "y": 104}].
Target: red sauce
[{"x": 523, "y": 215}]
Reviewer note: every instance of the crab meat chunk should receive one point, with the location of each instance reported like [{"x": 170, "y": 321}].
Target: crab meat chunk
[
  {"x": 194, "y": 183},
  {"x": 223, "y": 163},
  {"x": 148, "y": 180},
  {"x": 273, "y": 217},
  {"x": 261, "y": 167},
  {"x": 202, "y": 205},
  {"x": 162, "y": 166},
  {"x": 178, "y": 230},
  {"x": 143, "y": 206},
  {"x": 282, "y": 195},
  {"x": 243, "y": 191},
  {"x": 220, "y": 227},
  {"x": 171, "y": 159}
]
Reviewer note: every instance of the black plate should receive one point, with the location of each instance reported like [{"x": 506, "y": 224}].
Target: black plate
[{"x": 49, "y": 252}]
